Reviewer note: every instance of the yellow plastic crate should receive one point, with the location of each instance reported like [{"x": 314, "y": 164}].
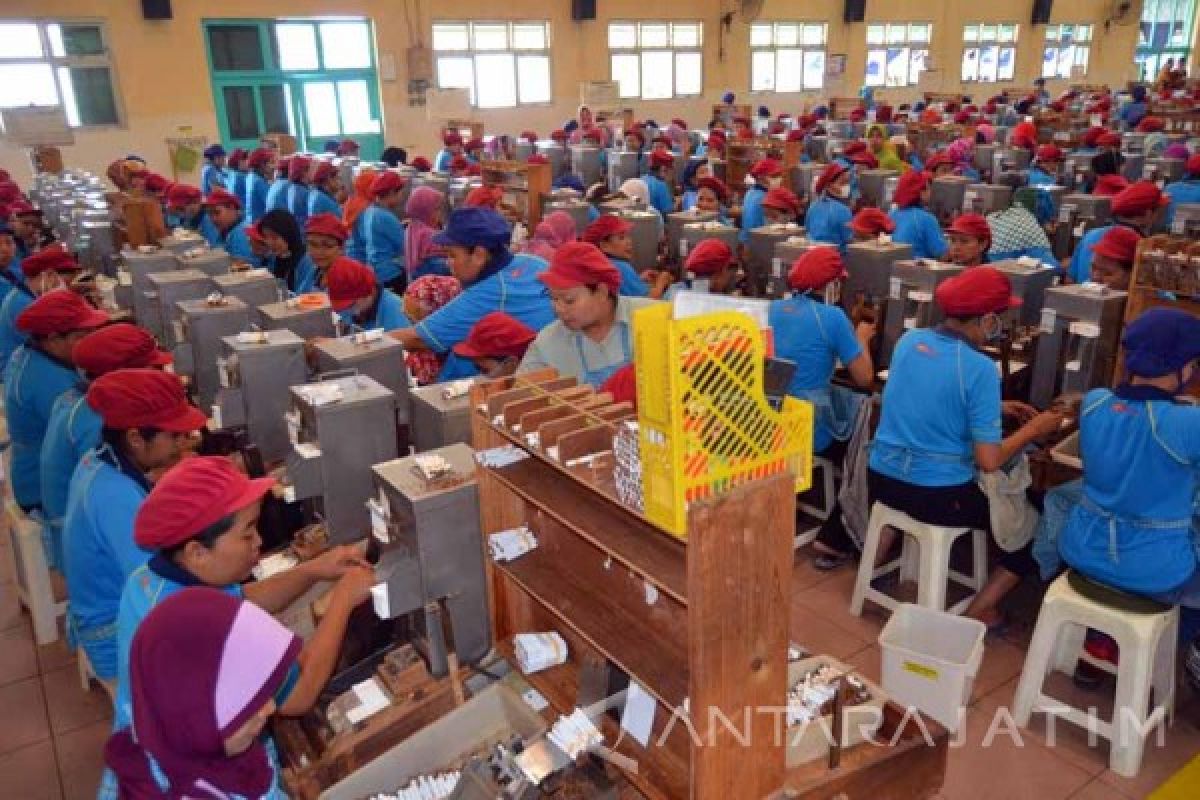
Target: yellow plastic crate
[{"x": 705, "y": 425}]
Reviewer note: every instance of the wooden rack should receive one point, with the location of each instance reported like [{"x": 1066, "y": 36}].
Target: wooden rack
[
  {"x": 467, "y": 128},
  {"x": 524, "y": 186},
  {"x": 840, "y": 107},
  {"x": 701, "y": 624}
]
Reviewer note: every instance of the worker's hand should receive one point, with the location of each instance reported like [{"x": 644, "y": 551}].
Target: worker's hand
[
  {"x": 1046, "y": 423},
  {"x": 1022, "y": 412},
  {"x": 865, "y": 332},
  {"x": 336, "y": 562},
  {"x": 353, "y": 587}
]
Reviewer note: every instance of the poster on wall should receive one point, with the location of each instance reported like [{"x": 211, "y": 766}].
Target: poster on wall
[
  {"x": 835, "y": 65},
  {"x": 36, "y": 126}
]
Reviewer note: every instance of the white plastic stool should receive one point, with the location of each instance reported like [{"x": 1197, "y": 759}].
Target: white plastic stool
[
  {"x": 33, "y": 575},
  {"x": 930, "y": 566},
  {"x": 828, "y": 496},
  {"x": 87, "y": 675},
  {"x": 1147, "y": 661}
]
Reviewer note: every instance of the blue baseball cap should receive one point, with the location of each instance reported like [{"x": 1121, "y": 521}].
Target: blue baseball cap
[
  {"x": 475, "y": 227},
  {"x": 214, "y": 151},
  {"x": 569, "y": 181},
  {"x": 1161, "y": 341}
]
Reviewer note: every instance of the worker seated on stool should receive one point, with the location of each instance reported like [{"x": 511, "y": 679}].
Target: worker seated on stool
[
  {"x": 915, "y": 226},
  {"x": 495, "y": 347},
  {"x": 224, "y": 211},
  {"x": 816, "y": 335},
  {"x": 941, "y": 423},
  {"x": 324, "y": 239},
  {"x": 1138, "y": 207},
  {"x": 710, "y": 267},
  {"x": 355, "y": 294},
  {"x": 970, "y": 237},
  {"x": 1113, "y": 256},
  {"x": 593, "y": 335},
  {"x": 781, "y": 206},
  {"x": 869, "y": 222}
]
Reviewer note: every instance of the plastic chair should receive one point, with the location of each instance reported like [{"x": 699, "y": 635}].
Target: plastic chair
[
  {"x": 33, "y": 575},
  {"x": 929, "y": 565},
  {"x": 1146, "y": 635},
  {"x": 828, "y": 497}
]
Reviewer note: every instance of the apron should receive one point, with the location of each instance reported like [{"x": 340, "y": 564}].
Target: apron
[{"x": 597, "y": 377}]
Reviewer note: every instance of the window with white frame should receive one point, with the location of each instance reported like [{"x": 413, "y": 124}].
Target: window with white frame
[
  {"x": 897, "y": 52},
  {"x": 787, "y": 56},
  {"x": 656, "y": 60},
  {"x": 58, "y": 64},
  {"x": 504, "y": 64},
  {"x": 1067, "y": 46},
  {"x": 989, "y": 52}
]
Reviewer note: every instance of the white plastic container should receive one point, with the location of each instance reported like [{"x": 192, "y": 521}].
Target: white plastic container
[{"x": 930, "y": 659}]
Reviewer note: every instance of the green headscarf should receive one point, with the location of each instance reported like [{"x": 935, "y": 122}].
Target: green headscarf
[{"x": 887, "y": 156}]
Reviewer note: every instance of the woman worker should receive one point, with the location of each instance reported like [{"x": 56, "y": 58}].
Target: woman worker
[
  {"x": 298, "y": 191},
  {"x": 1113, "y": 257},
  {"x": 291, "y": 262},
  {"x": 224, "y": 211},
  {"x": 277, "y": 192},
  {"x": 610, "y": 234},
  {"x": 593, "y": 335},
  {"x": 326, "y": 188},
  {"x": 869, "y": 223},
  {"x": 712, "y": 195},
  {"x": 324, "y": 237},
  {"x": 828, "y": 217},
  {"x": 781, "y": 206},
  {"x": 970, "y": 237},
  {"x": 383, "y": 232},
  {"x": 494, "y": 347},
  {"x": 355, "y": 294},
  {"x": 212, "y": 174},
  {"x": 358, "y": 202},
  {"x": 661, "y": 199},
  {"x": 258, "y": 178},
  {"x": 915, "y": 226},
  {"x": 1136, "y": 207},
  {"x": 421, "y": 256},
  {"x": 767, "y": 174},
  {"x": 884, "y": 151},
  {"x": 1047, "y": 164},
  {"x": 941, "y": 423}
]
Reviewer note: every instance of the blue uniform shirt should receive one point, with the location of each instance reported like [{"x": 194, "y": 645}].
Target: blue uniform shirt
[
  {"x": 456, "y": 367},
  {"x": 211, "y": 177},
  {"x": 752, "y": 212},
  {"x": 442, "y": 162},
  {"x": 256, "y": 197},
  {"x": 828, "y": 221},
  {"x": 632, "y": 284},
  {"x": 237, "y": 185},
  {"x": 237, "y": 244},
  {"x": 1039, "y": 177},
  {"x": 33, "y": 382},
  {"x": 277, "y": 195},
  {"x": 815, "y": 336},
  {"x": 942, "y": 397},
  {"x": 1080, "y": 270},
  {"x": 298, "y": 202},
  {"x": 384, "y": 235},
  {"x": 306, "y": 276},
  {"x": 73, "y": 430},
  {"x": 515, "y": 290},
  {"x": 660, "y": 194},
  {"x": 11, "y": 277},
  {"x": 388, "y": 314},
  {"x": 11, "y": 338},
  {"x": 203, "y": 225},
  {"x": 356, "y": 245},
  {"x": 917, "y": 227},
  {"x": 689, "y": 199},
  {"x": 1180, "y": 192},
  {"x": 319, "y": 202}
]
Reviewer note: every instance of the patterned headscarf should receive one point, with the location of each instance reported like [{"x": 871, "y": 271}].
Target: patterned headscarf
[
  {"x": 424, "y": 296},
  {"x": 962, "y": 152},
  {"x": 422, "y": 209},
  {"x": 1015, "y": 230},
  {"x": 551, "y": 233}
]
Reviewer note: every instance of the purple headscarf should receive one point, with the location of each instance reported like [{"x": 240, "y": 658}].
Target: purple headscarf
[
  {"x": 551, "y": 233},
  {"x": 986, "y": 132},
  {"x": 961, "y": 152},
  {"x": 1177, "y": 150},
  {"x": 422, "y": 209}
]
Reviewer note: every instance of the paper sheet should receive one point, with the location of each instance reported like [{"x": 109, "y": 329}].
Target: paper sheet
[{"x": 638, "y": 717}]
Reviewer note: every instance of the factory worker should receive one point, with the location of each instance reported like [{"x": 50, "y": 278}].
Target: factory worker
[
  {"x": 556, "y": 229},
  {"x": 907, "y": 153},
  {"x": 325, "y": 191},
  {"x": 424, "y": 296},
  {"x": 213, "y": 174},
  {"x": 610, "y": 233},
  {"x": 349, "y": 148},
  {"x": 1133, "y": 110},
  {"x": 712, "y": 195},
  {"x": 186, "y": 204},
  {"x": 225, "y": 212},
  {"x": 425, "y": 210},
  {"x": 484, "y": 197},
  {"x": 593, "y": 335},
  {"x": 1137, "y": 207},
  {"x": 324, "y": 236},
  {"x": 915, "y": 226},
  {"x": 382, "y": 231},
  {"x": 767, "y": 175},
  {"x": 1184, "y": 190},
  {"x": 28, "y": 224},
  {"x": 180, "y": 669},
  {"x": 780, "y": 206},
  {"x": 355, "y": 294},
  {"x": 661, "y": 199},
  {"x": 635, "y": 142},
  {"x": 1113, "y": 257},
  {"x": 298, "y": 191},
  {"x": 41, "y": 370},
  {"x": 156, "y": 188},
  {"x": 473, "y": 148},
  {"x": 1047, "y": 164},
  {"x": 692, "y": 173},
  {"x": 147, "y": 427},
  {"x": 828, "y": 217},
  {"x": 1017, "y": 234},
  {"x": 199, "y": 525},
  {"x": 236, "y": 174},
  {"x": 869, "y": 222},
  {"x": 884, "y": 150},
  {"x": 1089, "y": 143},
  {"x": 709, "y": 267},
  {"x": 1109, "y": 185},
  {"x": 289, "y": 260},
  {"x": 74, "y": 426},
  {"x": 941, "y": 422},
  {"x": 10, "y": 263},
  {"x": 352, "y": 215},
  {"x": 277, "y": 192},
  {"x": 495, "y": 345},
  {"x": 260, "y": 164},
  {"x": 493, "y": 279},
  {"x": 452, "y": 145},
  {"x": 44, "y": 271},
  {"x": 939, "y": 165},
  {"x": 970, "y": 237}
]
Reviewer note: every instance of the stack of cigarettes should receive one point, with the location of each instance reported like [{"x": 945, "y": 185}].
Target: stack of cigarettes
[
  {"x": 511, "y": 544},
  {"x": 575, "y": 734},
  {"x": 627, "y": 472},
  {"x": 538, "y": 651},
  {"x": 426, "y": 787},
  {"x": 810, "y": 699}
]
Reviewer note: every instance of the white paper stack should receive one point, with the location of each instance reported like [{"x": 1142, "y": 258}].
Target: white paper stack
[
  {"x": 425, "y": 787},
  {"x": 575, "y": 734},
  {"x": 627, "y": 471},
  {"x": 538, "y": 651},
  {"x": 511, "y": 544}
]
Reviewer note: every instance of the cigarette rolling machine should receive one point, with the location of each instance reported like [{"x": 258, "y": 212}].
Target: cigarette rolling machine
[
  {"x": 1133, "y": 166},
  {"x": 254, "y": 287},
  {"x": 804, "y": 178},
  {"x": 1030, "y": 279},
  {"x": 251, "y": 371},
  {"x": 374, "y": 354},
  {"x": 984, "y": 198},
  {"x": 209, "y": 260},
  {"x": 1163, "y": 170},
  {"x": 910, "y": 301},
  {"x": 166, "y": 289},
  {"x": 587, "y": 163},
  {"x": 675, "y": 222},
  {"x": 338, "y": 429},
  {"x": 441, "y": 414},
  {"x": 1080, "y": 332},
  {"x": 696, "y": 232},
  {"x": 425, "y": 522},
  {"x": 308, "y": 320},
  {"x": 1078, "y": 214},
  {"x": 872, "y": 183},
  {"x": 869, "y": 270},
  {"x": 623, "y": 165},
  {"x": 133, "y": 273},
  {"x": 762, "y": 250},
  {"x": 946, "y": 196},
  {"x": 202, "y": 325},
  {"x": 556, "y": 154},
  {"x": 646, "y": 225},
  {"x": 786, "y": 252}
]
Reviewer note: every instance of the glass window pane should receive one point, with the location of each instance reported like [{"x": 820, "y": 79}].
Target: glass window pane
[
  {"x": 622, "y": 34},
  {"x": 685, "y": 34},
  {"x": 354, "y": 102},
  {"x": 760, "y": 35},
  {"x": 497, "y": 78},
  {"x": 875, "y": 34},
  {"x": 529, "y": 37},
  {"x": 1008, "y": 33},
  {"x": 27, "y": 84},
  {"x": 896, "y": 34},
  {"x": 787, "y": 35},
  {"x": 897, "y": 66},
  {"x": 916, "y": 65},
  {"x": 456, "y": 72},
  {"x": 320, "y": 109},
  {"x": 235, "y": 48},
  {"x": 689, "y": 69},
  {"x": 919, "y": 33},
  {"x": 970, "y": 64},
  {"x": 625, "y": 73},
  {"x": 1081, "y": 58},
  {"x": 987, "y": 33},
  {"x": 297, "y": 47},
  {"x": 240, "y": 115},
  {"x": 876, "y": 63},
  {"x": 814, "y": 34},
  {"x": 971, "y": 33},
  {"x": 1051, "y": 33},
  {"x": 762, "y": 70},
  {"x": 654, "y": 34},
  {"x": 1049, "y": 62},
  {"x": 490, "y": 36},
  {"x": 274, "y": 109},
  {"x": 92, "y": 95},
  {"x": 70, "y": 107},
  {"x": 658, "y": 78},
  {"x": 20, "y": 40},
  {"x": 449, "y": 36},
  {"x": 987, "y": 63},
  {"x": 55, "y": 36},
  {"x": 345, "y": 45},
  {"x": 789, "y": 71},
  {"x": 82, "y": 40},
  {"x": 814, "y": 69},
  {"x": 1007, "y": 64},
  {"x": 533, "y": 79}
]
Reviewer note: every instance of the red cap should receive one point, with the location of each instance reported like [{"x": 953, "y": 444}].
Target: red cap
[
  {"x": 581, "y": 264},
  {"x": 537, "y": 158},
  {"x": 872, "y": 222},
  {"x": 975, "y": 292},
  {"x": 421, "y": 164},
  {"x": 937, "y": 160},
  {"x": 716, "y": 142},
  {"x": 604, "y": 227},
  {"x": 282, "y": 164},
  {"x": 452, "y": 138},
  {"x": 1118, "y": 243},
  {"x": 385, "y": 182},
  {"x": 220, "y": 197},
  {"x": 348, "y": 280},
  {"x": 833, "y": 170},
  {"x": 326, "y": 225},
  {"x": 1049, "y": 152},
  {"x": 1091, "y": 137},
  {"x": 474, "y": 169},
  {"x": 641, "y": 137},
  {"x": 717, "y": 133},
  {"x": 622, "y": 385},
  {"x": 883, "y": 114},
  {"x": 254, "y": 234},
  {"x": 259, "y": 157},
  {"x": 766, "y": 168},
  {"x": 1151, "y": 125},
  {"x": 59, "y": 311},
  {"x": 679, "y": 122},
  {"x": 194, "y": 495},
  {"x": 1110, "y": 185},
  {"x": 496, "y": 335},
  {"x": 54, "y": 258},
  {"x": 662, "y": 158},
  {"x": 709, "y": 257},
  {"x": 1138, "y": 198},
  {"x": 962, "y": 118},
  {"x": 181, "y": 195},
  {"x": 1109, "y": 139},
  {"x": 858, "y": 115},
  {"x": 1193, "y": 165},
  {"x": 815, "y": 268},
  {"x": 459, "y": 163},
  {"x": 529, "y": 136},
  {"x": 156, "y": 183},
  {"x": 486, "y": 196},
  {"x": 782, "y": 199},
  {"x": 662, "y": 139},
  {"x": 21, "y": 207},
  {"x": 971, "y": 225},
  {"x": 558, "y": 135},
  {"x": 144, "y": 398},
  {"x": 909, "y": 188},
  {"x": 324, "y": 170},
  {"x": 473, "y": 144},
  {"x": 298, "y": 168},
  {"x": 717, "y": 186},
  {"x": 119, "y": 346},
  {"x": 795, "y": 135},
  {"x": 348, "y": 147}
]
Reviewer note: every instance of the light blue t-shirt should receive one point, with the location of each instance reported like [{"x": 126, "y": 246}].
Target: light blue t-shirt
[
  {"x": 277, "y": 195},
  {"x": 828, "y": 221},
  {"x": 917, "y": 227},
  {"x": 211, "y": 177},
  {"x": 1180, "y": 192},
  {"x": 389, "y": 314},
  {"x": 304, "y": 278},
  {"x": 10, "y": 338},
  {"x": 256, "y": 197},
  {"x": 942, "y": 397},
  {"x": 1080, "y": 270},
  {"x": 237, "y": 244},
  {"x": 632, "y": 284},
  {"x": 74, "y": 429},
  {"x": 319, "y": 202},
  {"x": 384, "y": 236},
  {"x": 660, "y": 194},
  {"x": 1039, "y": 177},
  {"x": 753, "y": 215},
  {"x": 297, "y": 202},
  {"x": 31, "y": 385}
]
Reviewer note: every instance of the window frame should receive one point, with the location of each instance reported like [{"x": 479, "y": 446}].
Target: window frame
[
  {"x": 471, "y": 52},
  {"x": 979, "y": 43},
  {"x": 103, "y": 59},
  {"x": 804, "y": 49},
  {"x": 1075, "y": 46},
  {"x": 1150, "y": 56},
  {"x": 640, "y": 50},
  {"x": 908, "y": 43}
]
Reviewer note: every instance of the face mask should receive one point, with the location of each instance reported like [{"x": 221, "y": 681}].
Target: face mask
[{"x": 840, "y": 191}]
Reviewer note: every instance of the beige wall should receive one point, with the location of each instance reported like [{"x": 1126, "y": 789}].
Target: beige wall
[{"x": 163, "y": 84}]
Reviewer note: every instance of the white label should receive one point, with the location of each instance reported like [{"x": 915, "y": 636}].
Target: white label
[
  {"x": 1178, "y": 226},
  {"x": 777, "y": 267},
  {"x": 223, "y": 373},
  {"x": 289, "y": 494},
  {"x": 180, "y": 332},
  {"x": 895, "y": 288},
  {"x": 379, "y": 601},
  {"x": 1084, "y": 330},
  {"x": 379, "y": 520},
  {"x": 216, "y": 416},
  {"x": 253, "y": 337},
  {"x": 638, "y": 716},
  {"x": 533, "y": 698},
  {"x": 307, "y": 450},
  {"x": 1080, "y": 229},
  {"x": 293, "y": 426},
  {"x": 1049, "y": 316},
  {"x": 124, "y": 278},
  {"x": 371, "y": 700}
]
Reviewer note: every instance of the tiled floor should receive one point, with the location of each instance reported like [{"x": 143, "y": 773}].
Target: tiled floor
[{"x": 52, "y": 732}]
